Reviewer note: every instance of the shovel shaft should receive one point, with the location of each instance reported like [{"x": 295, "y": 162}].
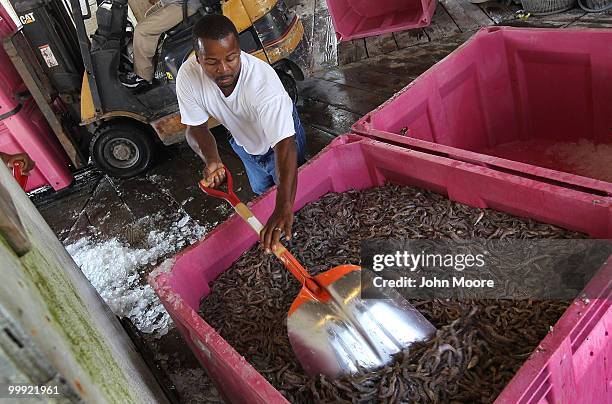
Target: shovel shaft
[{"x": 290, "y": 262}]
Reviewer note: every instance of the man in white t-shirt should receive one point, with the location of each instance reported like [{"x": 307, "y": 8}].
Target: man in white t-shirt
[{"x": 246, "y": 96}]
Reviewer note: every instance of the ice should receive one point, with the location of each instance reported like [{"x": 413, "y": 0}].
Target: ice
[
  {"x": 585, "y": 158},
  {"x": 165, "y": 266},
  {"x": 186, "y": 201},
  {"x": 183, "y": 221},
  {"x": 113, "y": 269},
  {"x": 156, "y": 178}
]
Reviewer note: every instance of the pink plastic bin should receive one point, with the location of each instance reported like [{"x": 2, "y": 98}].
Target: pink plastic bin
[
  {"x": 23, "y": 128},
  {"x": 579, "y": 346},
  {"x": 532, "y": 101},
  {"x": 354, "y": 19}
]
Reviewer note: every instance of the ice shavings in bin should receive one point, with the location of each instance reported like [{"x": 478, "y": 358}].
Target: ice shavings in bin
[
  {"x": 586, "y": 158},
  {"x": 113, "y": 267}
]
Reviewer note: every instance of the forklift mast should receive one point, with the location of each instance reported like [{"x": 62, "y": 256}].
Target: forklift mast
[{"x": 51, "y": 33}]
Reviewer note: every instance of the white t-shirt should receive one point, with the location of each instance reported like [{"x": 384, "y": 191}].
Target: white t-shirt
[{"x": 258, "y": 113}]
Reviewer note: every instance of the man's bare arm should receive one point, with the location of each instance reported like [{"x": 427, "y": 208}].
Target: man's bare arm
[
  {"x": 203, "y": 143},
  {"x": 285, "y": 153}
]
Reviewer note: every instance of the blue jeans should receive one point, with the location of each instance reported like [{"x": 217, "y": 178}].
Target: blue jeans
[{"x": 261, "y": 170}]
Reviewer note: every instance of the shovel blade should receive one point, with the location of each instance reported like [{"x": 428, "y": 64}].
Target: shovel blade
[{"x": 348, "y": 334}]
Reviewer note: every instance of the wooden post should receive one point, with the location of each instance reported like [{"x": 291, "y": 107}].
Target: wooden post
[{"x": 47, "y": 297}]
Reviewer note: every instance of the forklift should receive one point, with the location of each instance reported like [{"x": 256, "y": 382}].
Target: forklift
[{"x": 75, "y": 79}]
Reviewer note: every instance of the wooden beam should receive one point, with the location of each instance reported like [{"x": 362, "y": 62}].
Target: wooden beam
[
  {"x": 593, "y": 20},
  {"x": 380, "y": 44},
  {"x": 560, "y": 20},
  {"x": 411, "y": 37},
  {"x": 442, "y": 25},
  {"x": 499, "y": 12},
  {"x": 411, "y": 62},
  {"x": 11, "y": 228},
  {"x": 351, "y": 51},
  {"x": 466, "y": 15}
]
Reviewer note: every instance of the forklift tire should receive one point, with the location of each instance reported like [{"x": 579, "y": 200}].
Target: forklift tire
[
  {"x": 122, "y": 150},
  {"x": 289, "y": 84}
]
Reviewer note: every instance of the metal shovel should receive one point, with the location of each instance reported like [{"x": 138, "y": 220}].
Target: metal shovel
[{"x": 332, "y": 330}]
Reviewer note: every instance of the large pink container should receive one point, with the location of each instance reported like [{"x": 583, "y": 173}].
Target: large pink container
[
  {"x": 354, "y": 19},
  {"x": 532, "y": 101},
  {"x": 572, "y": 363},
  {"x": 23, "y": 128}
]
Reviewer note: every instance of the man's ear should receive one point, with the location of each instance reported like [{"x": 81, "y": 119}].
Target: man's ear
[{"x": 196, "y": 50}]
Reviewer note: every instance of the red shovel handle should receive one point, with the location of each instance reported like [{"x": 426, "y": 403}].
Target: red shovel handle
[
  {"x": 21, "y": 178},
  {"x": 229, "y": 196}
]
